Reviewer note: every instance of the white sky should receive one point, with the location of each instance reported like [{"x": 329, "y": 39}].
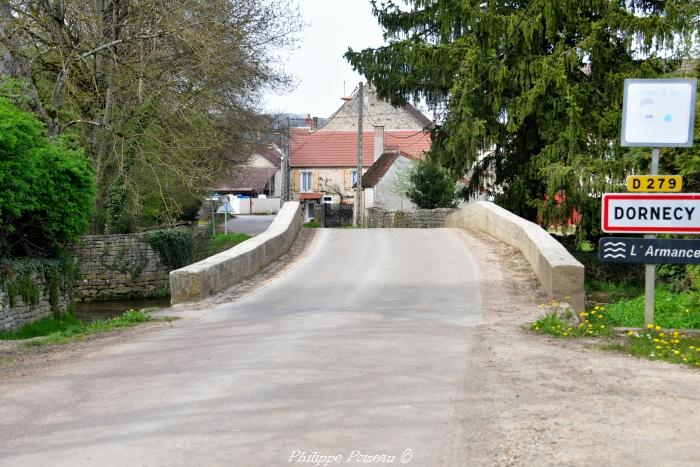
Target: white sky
[{"x": 318, "y": 63}]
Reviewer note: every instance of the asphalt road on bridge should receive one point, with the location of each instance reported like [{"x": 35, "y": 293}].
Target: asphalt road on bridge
[{"x": 362, "y": 348}]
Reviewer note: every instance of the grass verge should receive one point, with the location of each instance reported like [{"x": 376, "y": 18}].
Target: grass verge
[
  {"x": 67, "y": 328},
  {"x": 653, "y": 342},
  {"x": 224, "y": 242},
  {"x": 312, "y": 224},
  {"x": 671, "y": 310},
  {"x": 562, "y": 323}
]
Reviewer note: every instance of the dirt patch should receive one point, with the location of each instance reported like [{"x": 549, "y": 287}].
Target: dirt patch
[{"x": 555, "y": 401}]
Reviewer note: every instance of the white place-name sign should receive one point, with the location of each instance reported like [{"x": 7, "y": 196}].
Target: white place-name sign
[
  {"x": 651, "y": 213},
  {"x": 658, "y": 112}
]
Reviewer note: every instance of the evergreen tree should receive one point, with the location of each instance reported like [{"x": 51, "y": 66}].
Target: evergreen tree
[
  {"x": 536, "y": 85},
  {"x": 430, "y": 186}
]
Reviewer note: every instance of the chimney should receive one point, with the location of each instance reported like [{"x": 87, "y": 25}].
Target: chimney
[
  {"x": 308, "y": 121},
  {"x": 315, "y": 127},
  {"x": 378, "y": 141}
]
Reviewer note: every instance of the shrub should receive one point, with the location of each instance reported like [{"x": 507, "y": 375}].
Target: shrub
[
  {"x": 430, "y": 186},
  {"x": 46, "y": 187},
  {"x": 176, "y": 247}
]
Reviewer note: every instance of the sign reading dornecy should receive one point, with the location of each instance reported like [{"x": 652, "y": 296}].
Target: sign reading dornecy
[
  {"x": 648, "y": 250},
  {"x": 658, "y": 112},
  {"x": 651, "y": 213}
]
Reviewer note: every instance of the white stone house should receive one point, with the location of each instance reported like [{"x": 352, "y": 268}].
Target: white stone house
[{"x": 386, "y": 182}]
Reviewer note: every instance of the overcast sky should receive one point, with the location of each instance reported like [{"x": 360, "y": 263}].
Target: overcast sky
[{"x": 318, "y": 63}]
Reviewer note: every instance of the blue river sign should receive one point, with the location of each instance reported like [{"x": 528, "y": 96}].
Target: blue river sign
[{"x": 648, "y": 250}]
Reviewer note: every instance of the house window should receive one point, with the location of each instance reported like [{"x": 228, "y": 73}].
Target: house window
[
  {"x": 354, "y": 177},
  {"x": 306, "y": 182}
]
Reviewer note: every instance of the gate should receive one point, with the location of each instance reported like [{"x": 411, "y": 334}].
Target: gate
[{"x": 337, "y": 215}]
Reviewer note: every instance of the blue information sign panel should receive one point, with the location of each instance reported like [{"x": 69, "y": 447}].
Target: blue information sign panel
[{"x": 648, "y": 250}]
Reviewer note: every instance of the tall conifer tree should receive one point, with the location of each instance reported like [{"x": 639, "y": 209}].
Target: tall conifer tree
[{"x": 538, "y": 82}]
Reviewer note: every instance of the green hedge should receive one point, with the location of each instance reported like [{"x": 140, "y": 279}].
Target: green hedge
[
  {"x": 47, "y": 187},
  {"x": 176, "y": 247}
]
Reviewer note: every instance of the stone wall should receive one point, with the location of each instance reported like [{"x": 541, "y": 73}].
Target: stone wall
[
  {"x": 112, "y": 267},
  {"x": 16, "y": 310},
  {"x": 221, "y": 271},
  {"x": 420, "y": 218},
  {"x": 560, "y": 274}
]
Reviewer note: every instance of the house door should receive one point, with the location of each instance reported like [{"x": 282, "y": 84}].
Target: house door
[{"x": 309, "y": 211}]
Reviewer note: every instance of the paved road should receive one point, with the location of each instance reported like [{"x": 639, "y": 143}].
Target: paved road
[
  {"x": 251, "y": 225},
  {"x": 364, "y": 346}
]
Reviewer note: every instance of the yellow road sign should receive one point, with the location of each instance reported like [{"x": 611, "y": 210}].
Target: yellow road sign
[{"x": 654, "y": 183}]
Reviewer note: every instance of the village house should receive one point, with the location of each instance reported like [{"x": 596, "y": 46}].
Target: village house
[
  {"x": 323, "y": 162},
  {"x": 256, "y": 186},
  {"x": 385, "y": 184}
]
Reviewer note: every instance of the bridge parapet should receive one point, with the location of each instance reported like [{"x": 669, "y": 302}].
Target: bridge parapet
[
  {"x": 560, "y": 274},
  {"x": 221, "y": 271}
]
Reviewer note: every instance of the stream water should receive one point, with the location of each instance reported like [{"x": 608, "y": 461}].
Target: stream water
[{"x": 91, "y": 311}]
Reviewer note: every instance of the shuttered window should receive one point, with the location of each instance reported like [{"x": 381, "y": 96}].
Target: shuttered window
[{"x": 306, "y": 182}]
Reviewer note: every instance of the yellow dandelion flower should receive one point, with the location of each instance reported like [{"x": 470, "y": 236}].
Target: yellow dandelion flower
[{"x": 650, "y": 326}]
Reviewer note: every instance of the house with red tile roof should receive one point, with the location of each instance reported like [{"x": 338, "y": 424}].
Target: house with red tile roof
[{"x": 323, "y": 163}]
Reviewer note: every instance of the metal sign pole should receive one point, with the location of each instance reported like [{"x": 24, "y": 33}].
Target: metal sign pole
[
  {"x": 226, "y": 218},
  {"x": 650, "y": 269}
]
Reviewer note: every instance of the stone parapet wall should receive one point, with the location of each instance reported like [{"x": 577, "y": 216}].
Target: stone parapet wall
[
  {"x": 112, "y": 267},
  {"x": 420, "y": 218},
  {"x": 15, "y": 310},
  {"x": 221, "y": 271},
  {"x": 560, "y": 274}
]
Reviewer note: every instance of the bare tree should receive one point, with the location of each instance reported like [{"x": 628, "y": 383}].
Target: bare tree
[{"x": 163, "y": 94}]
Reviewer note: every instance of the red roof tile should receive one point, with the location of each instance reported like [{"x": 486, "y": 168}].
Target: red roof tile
[{"x": 339, "y": 148}]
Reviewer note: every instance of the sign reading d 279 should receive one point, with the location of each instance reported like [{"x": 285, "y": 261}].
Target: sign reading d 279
[{"x": 651, "y": 213}]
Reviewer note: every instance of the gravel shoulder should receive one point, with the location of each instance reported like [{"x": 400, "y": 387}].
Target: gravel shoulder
[{"x": 567, "y": 402}]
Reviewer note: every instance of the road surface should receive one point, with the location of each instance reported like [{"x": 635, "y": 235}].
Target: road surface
[
  {"x": 362, "y": 348},
  {"x": 249, "y": 224},
  {"x": 406, "y": 344}
]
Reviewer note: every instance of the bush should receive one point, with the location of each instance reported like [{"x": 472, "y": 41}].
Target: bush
[
  {"x": 46, "y": 187},
  {"x": 176, "y": 247},
  {"x": 430, "y": 186}
]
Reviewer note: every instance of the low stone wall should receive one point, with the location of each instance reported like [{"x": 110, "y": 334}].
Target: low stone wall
[
  {"x": 17, "y": 310},
  {"x": 221, "y": 271},
  {"x": 112, "y": 267},
  {"x": 420, "y": 218},
  {"x": 559, "y": 272}
]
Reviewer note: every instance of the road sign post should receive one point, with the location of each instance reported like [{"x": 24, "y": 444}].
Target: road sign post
[
  {"x": 650, "y": 269},
  {"x": 656, "y": 113}
]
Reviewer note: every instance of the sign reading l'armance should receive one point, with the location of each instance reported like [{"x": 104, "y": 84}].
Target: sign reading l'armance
[
  {"x": 648, "y": 250},
  {"x": 651, "y": 213}
]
